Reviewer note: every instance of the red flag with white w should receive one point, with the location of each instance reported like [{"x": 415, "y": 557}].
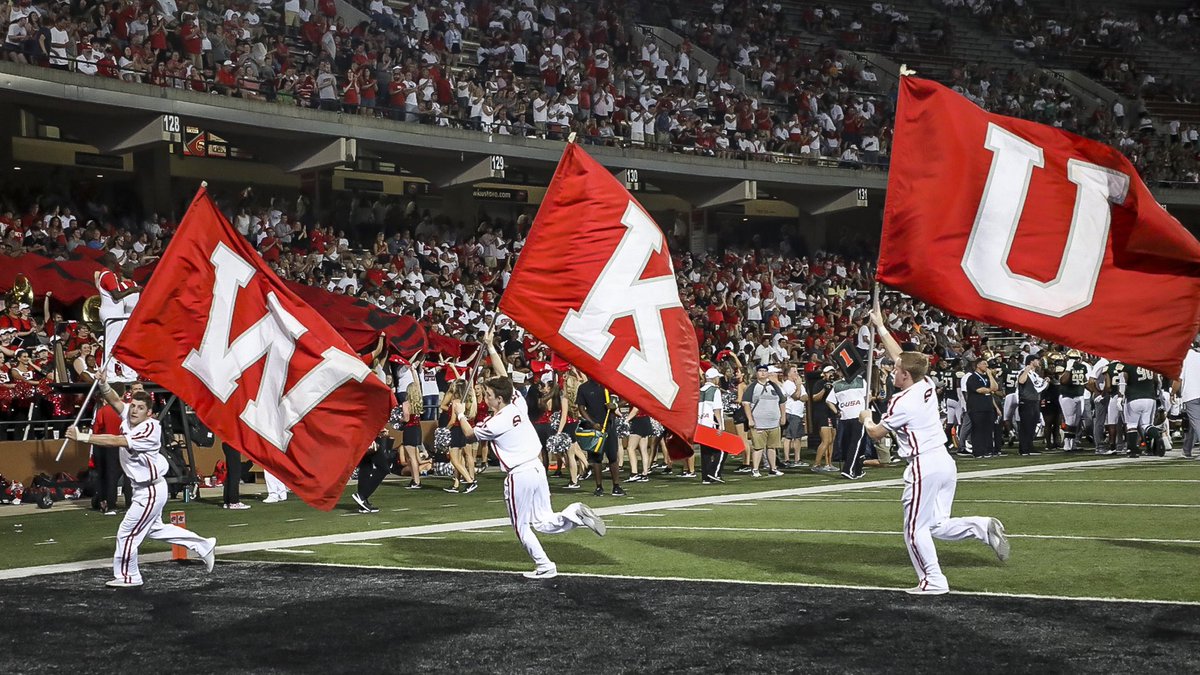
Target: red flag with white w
[
  {"x": 596, "y": 284},
  {"x": 262, "y": 369},
  {"x": 1027, "y": 226}
]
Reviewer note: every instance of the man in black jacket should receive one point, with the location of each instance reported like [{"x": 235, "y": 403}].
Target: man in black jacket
[
  {"x": 595, "y": 404},
  {"x": 981, "y": 407}
]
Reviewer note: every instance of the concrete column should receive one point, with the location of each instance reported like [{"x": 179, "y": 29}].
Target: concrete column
[
  {"x": 813, "y": 231},
  {"x": 459, "y": 206},
  {"x": 152, "y": 175},
  {"x": 10, "y": 121}
]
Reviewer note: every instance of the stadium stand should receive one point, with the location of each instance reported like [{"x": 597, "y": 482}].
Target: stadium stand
[
  {"x": 757, "y": 81},
  {"x": 781, "y": 82}
]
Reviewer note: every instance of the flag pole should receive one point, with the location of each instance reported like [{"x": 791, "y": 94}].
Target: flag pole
[
  {"x": 869, "y": 398},
  {"x": 871, "y": 346},
  {"x": 108, "y": 357},
  {"x": 475, "y": 368}
]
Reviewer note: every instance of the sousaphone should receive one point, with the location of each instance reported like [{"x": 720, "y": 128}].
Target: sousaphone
[
  {"x": 91, "y": 315},
  {"x": 21, "y": 291}
]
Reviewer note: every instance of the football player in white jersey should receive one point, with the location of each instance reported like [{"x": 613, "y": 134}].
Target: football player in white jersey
[
  {"x": 930, "y": 478},
  {"x": 519, "y": 449},
  {"x": 140, "y": 440}
]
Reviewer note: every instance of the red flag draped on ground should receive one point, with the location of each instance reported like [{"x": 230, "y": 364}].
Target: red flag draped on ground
[
  {"x": 1027, "y": 226},
  {"x": 262, "y": 369},
  {"x": 595, "y": 283}
]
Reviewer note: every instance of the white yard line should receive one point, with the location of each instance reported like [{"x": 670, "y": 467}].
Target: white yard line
[
  {"x": 1083, "y": 480},
  {"x": 844, "y": 500},
  {"x": 289, "y": 550},
  {"x": 441, "y": 528},
  {"x": 691, "y": 580},
  {"x": 797, "y": 530}
]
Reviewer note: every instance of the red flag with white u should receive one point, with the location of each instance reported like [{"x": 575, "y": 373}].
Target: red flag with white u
[{"x": 1023, "y": 225}]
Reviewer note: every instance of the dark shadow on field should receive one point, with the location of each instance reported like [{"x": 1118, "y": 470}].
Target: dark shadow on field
[
  {"x": 458, "y": 552},
  {"x": 268, "y": 618},
  {"x": 1159, "y": 547},
  {"x": 828, "y": 559}
]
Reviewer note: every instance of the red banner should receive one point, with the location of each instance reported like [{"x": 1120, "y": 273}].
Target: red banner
[
  {"x": 361, "y": 322},
  {"x": 71, "y": 281},
  {"x": 596, "y": 284},
  {"x": 266, "y": 372},
  {"x": 1027, "y": 226},
  {"x": 456, "y": 350}
]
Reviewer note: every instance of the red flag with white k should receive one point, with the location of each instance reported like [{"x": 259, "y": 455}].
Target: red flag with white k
[
  {"x": 595, "y": 283},
  {"x": 1023, "y": 225},
  {"x": 262, "y": 369}
]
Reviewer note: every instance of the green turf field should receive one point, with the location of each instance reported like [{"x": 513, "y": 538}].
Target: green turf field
[{"x": 1112, "y": 529}]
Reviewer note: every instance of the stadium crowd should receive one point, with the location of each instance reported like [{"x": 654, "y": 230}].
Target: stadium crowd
[
  {"x": 767, "y": 318},
  {"x": 551, "y": 68}
]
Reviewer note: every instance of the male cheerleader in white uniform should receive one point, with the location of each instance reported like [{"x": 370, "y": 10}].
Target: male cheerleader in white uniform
[
  {"x": 139, "y": 441},
  {"x": 118, "y": 297},
  {"x": 931, "y": 477},
  {"x": 526, "y": 492}
]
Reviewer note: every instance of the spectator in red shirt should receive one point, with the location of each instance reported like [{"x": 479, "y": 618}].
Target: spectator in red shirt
[
  {"x": 375, "y": 276},
  {"x": 107, "y": 461},
  {"x": 13, "y": 319},
  {"x": 270, "y": 248},
  {"x": 226, "y": 80},
  {"x": 189, "y": 35}
]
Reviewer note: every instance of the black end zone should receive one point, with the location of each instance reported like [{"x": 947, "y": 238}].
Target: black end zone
[{"x": 252, "y": 617}]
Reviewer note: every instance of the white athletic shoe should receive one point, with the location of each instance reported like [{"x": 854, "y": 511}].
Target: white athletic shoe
[
  {"x": 273, "y": 499},
  {"x": 591, "y": 520},
  {"x": 917, "y": 590},
  {"x": 547, "y": 573},
  {"x": 120, "y": 583},
  {"x": 997, "y": 540},
  {"x": 211, "y": 558}
]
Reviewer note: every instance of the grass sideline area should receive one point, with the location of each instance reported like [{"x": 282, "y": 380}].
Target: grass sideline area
[
  {"x": 1111, "y": 530},
  {"x": 75, "y": 533}
]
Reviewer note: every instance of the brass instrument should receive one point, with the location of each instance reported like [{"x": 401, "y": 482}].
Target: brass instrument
[
  {"x": 91, "y": 315},
  {"x": 21, "y": 291}
]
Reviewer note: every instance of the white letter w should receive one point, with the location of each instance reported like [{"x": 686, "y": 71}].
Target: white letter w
[{"x": 220, "y": 363}]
